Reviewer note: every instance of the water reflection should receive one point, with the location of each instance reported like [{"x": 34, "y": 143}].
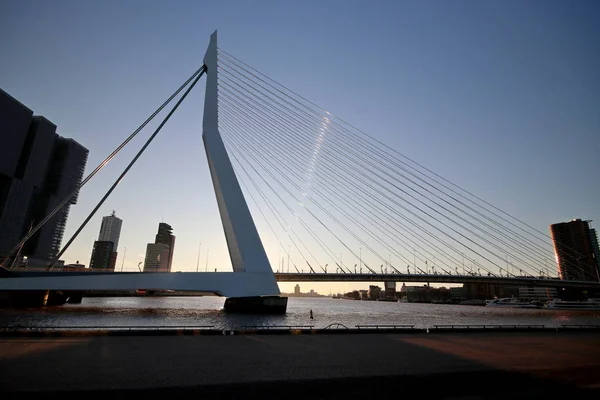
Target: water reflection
[{"x": 206, "y": 311}]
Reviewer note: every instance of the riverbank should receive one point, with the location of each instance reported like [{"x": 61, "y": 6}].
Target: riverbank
[{"x": 517, "y": 365}]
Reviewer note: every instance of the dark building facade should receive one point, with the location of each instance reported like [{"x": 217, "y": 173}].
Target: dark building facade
[
  {"x": 38, "y": 170},
  {"x": 576, "y": 249},
  {"x": 104, "y": 255},
  {"x": 165, "y": 236},
  {"x": 159, "y": 255}
]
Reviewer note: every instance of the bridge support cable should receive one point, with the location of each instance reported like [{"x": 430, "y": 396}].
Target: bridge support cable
[
  {"x": 292, "y": 153},
  {"x": 250, "y": 145},
  {"x": 433, "y": 209},
  {"x": 235, "y": 154},
  {"x": 286, "y": 189},
  {"x": 255, "y": 127},
  {"x": 100, "y": 166},
  {"x": 522, "y": 255},
  {"x": 445, "y": 216},
  {"x": 450, "y": 228},
  {"x": 276, "y": 213},
  {"x": 323, "y": 196},
  {"x": 358, "y": 212},
  {"x": 272, "y": 208},
  {"x": 542, "y": 266},
  {"x": 332, "y": 171},
  {"x": 388, "y": 152},
  {"x": 196, "y": 77},
  {"x": 388, "y": 158},
  {"x": 325, "y": 247},
  {"x": 275, "y": 192},
  {"x": 267, "y": 201}
]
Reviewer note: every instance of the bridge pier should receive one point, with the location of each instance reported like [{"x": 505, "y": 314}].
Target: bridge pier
[
  {"x": 36, "y": 298},
  {"x": 256, "y": 305}
]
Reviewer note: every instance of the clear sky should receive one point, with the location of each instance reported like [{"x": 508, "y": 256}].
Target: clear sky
[{"x": 500, "y": 97}]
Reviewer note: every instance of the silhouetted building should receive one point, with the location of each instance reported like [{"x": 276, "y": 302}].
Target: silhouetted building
[
  {"x": 427, "y": 294},
  {"x": 159, "y": 255},
  {"x": 157, "y": 258},
  {"x": 165, "y": 236},
  {"x": 297, "y": 289},
  {"x": 482, "y": 291},
  {"x": 38, "y": 170},
  {"x": 576, "y": 249},
  {"x": 374, "y": 292},
  {"x": 104, "y": 255},
  {"x": 390, "y": 289}
]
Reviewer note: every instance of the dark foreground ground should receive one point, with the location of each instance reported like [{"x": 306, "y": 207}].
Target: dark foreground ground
[{"x": 422, "y": 366}]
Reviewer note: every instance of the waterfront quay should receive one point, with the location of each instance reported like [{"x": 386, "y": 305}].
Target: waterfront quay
[{"x": 492, "y": 365}]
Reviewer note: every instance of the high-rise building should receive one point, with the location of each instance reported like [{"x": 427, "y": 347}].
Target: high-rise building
[
  {"x": 157, "y": 258},
  {"x": 165, "y": 236},
  {"x": 110, "y": 230},
  {"x": 576, "y": 249},
  {"x": 38, "y": 170},
  {"x": 104, "y": 253},
  {"x": 159, "y": 255}
]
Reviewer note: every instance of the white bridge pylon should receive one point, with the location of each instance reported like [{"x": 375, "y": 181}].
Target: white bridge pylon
[{"x": 252, "y": 273}]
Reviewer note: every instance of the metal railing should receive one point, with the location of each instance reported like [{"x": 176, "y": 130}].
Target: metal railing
[
  {"x": 336, "y": 326},
  {"x": 573, "y": 326},
  {"x": 469, "y": 326},
  {"x": 384, "y": 326},
  {"x": 276, "y": 327},
  {"x": 333, "y": 327},
  {"x": 107, "y": 328}
]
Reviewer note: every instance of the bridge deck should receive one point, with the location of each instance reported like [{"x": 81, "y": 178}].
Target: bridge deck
[{"x": 187, "y": 277}]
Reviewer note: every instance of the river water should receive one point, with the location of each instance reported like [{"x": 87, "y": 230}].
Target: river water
[{"x": 206, "y": 311}]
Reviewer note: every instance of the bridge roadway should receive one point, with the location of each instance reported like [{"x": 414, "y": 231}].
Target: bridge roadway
[
  {"x": 431, "y": 278},
  {"x": 191, "y": 277}
]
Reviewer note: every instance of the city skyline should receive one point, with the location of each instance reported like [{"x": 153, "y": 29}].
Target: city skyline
[{"x": 507, "y": 148}]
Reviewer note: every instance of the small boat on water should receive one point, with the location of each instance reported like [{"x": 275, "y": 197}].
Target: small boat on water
[
  {"x": 558, "y": 304},
  {"x": 511, "y": 302}
]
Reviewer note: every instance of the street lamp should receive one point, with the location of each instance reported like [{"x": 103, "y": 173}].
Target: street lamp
[{"x": 360, "y": 257}]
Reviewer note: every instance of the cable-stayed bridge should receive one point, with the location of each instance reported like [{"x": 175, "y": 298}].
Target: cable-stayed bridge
[{"x": 318, "y": 188}]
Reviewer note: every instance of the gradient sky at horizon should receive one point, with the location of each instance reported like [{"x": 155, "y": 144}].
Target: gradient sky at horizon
[{"x": 502, "y": 98}]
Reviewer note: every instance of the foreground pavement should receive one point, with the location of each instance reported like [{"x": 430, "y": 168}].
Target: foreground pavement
[{"x": 445, "y": 366}]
